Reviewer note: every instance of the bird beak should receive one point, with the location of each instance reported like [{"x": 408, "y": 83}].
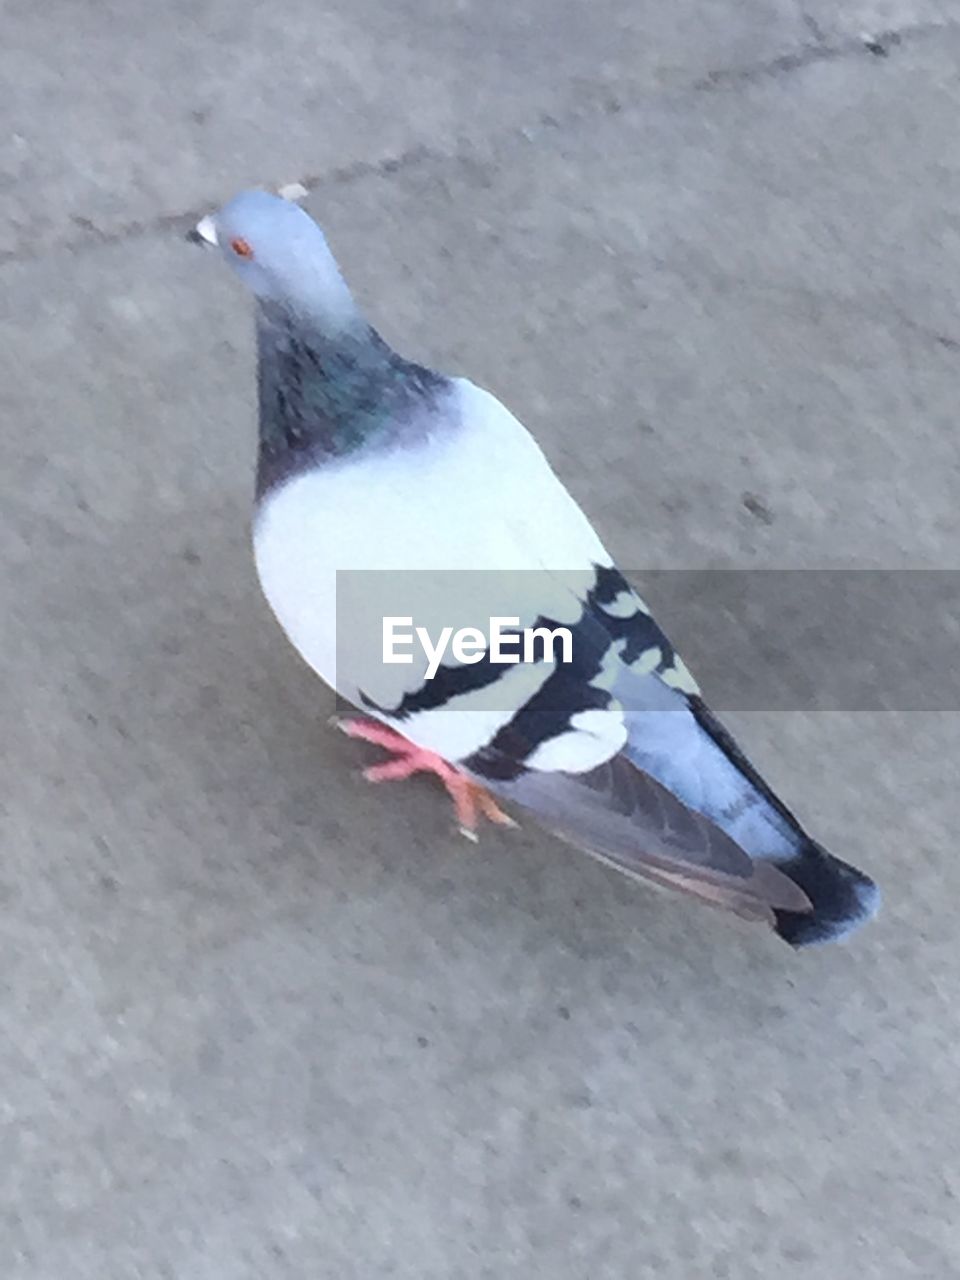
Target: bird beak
[{"x": 205, "y": 232}]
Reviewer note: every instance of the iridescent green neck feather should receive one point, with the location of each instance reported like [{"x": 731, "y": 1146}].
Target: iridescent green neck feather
[{"x": 327, "y": 392}]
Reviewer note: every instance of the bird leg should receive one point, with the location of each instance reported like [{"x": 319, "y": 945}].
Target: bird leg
[{"x": 470, "y": 800}]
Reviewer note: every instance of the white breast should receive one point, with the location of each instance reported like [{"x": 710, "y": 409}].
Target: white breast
[{"x": 477, "y": 499}]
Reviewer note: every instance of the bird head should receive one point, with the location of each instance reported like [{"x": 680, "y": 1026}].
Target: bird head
[{"x": 280, "y": 254}]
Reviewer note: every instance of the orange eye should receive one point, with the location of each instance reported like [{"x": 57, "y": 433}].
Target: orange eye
[{"x": 241, "y": 248}]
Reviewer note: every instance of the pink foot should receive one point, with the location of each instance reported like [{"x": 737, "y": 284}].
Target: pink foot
[{"x": 470, "y": 800}]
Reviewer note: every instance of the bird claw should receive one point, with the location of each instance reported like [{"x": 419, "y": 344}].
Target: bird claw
[{"x": 471, "y": 800}]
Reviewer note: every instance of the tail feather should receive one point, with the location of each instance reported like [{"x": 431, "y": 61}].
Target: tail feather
[
  {"x": 843, "y": 898},
  {"x": 624, "y": 817}
]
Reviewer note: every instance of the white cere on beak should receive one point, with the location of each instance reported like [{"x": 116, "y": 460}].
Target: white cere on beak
[
  {"x": 207, "y": 230},
  {"x": 292, "y": 191}
]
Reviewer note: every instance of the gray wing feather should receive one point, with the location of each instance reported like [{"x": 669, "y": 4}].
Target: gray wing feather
[{"x": 626, "y": 818}]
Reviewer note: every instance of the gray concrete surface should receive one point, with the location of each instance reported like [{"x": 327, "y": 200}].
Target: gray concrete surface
[{"x": 258, "y": 1020}]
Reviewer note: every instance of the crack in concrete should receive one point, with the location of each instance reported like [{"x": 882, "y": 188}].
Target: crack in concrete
[
  {"x": 94, "y": 236},
  {"x": 880, "y": 44}
]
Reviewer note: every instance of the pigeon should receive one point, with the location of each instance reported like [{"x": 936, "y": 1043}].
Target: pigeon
[{"x": 386, "y": 490}]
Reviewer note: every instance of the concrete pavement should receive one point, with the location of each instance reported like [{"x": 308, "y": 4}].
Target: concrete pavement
[{"x": 260, "y": 1021}]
